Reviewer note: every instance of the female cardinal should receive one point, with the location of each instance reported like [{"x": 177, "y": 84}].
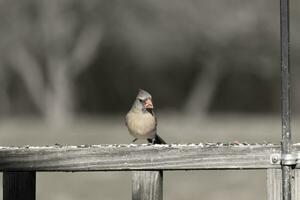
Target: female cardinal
[{"x": 141, "y": 121}]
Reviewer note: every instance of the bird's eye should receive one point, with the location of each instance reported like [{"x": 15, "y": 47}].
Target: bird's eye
[{"x": 140, "y": 100}]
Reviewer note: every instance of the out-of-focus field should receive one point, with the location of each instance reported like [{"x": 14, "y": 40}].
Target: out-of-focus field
[{"x": 174, "y": 128}]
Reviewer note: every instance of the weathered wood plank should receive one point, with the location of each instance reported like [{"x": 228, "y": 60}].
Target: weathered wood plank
[
  {"x": 138, "y": 157},
  {"x": 19, "y": 186},
  {"x": 147, "y": 185},
  {"x": 296, "y": 185},
  {"x": 274, "y": 187}
]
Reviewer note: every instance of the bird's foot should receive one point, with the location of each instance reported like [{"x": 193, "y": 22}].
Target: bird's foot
[
  {"x": 135, "y": 139},
  {"x": 151, "y": 141}
]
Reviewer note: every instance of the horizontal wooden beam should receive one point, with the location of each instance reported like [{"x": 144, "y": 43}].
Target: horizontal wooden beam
[{"x": 139, "y": 157}]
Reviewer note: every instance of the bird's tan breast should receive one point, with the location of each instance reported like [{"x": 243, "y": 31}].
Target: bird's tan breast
[{"x": 141, "y": 125}]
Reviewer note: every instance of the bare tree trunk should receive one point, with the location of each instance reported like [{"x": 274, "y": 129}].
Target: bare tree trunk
[
  {"x": 59, "y": 98},
  {"x": 26, "y": 66},
  {"x": 201, "y": 95},
  {"x": 66, "y": 45},
  {"x": 54, "y": 99},
  {"x": 58, "y": 31},
  {"x": 64, "y": 64}
]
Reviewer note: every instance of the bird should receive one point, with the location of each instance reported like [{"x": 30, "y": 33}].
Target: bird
[{"x": 141, "y": 120}]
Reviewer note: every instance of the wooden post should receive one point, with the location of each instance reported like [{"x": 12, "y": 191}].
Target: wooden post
[
  {"x": 147, "y": 185},
  {"x": 274, "y": 180},
  {"x": 18, "y": 185},
  {"x": 296, "y": 185}
]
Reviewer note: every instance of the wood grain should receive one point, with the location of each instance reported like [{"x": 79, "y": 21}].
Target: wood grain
[
  {"x": 274, "y": 187},
  {"x": 147, "y": 185},
  {"x": 296, "y": 185},
  {"x": 138, "y": 157}
]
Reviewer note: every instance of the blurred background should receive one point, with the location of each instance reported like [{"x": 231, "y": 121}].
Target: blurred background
[{"x": 70, "y": 70}]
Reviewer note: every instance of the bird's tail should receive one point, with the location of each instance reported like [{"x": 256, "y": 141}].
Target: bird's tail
[{"x": 157, "y": 140}]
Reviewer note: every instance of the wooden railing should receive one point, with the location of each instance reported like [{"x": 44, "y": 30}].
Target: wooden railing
[
  {"x": 139, "y": 157},
  {"x": 147, "y": 162}
]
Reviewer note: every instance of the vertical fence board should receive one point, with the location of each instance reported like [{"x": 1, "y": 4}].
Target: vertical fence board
[
  {"x": 147, "y": 185},
  {"x": 19, "y": 185},
  {"x": 296, "y": 185},
  {"x": 274, "y": 189}
]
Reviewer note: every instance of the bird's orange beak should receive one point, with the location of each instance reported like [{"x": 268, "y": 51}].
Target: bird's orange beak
[{"x": 148, "y": 104}]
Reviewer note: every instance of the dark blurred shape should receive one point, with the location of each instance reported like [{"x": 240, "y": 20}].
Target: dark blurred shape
[{"x": 242, "y": 98}]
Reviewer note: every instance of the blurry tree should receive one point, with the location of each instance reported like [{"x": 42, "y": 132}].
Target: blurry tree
[
  {"x": 224, "y": 36},
  {"x": 237, "y": 55},
  {"x": 49, "y": 43}
]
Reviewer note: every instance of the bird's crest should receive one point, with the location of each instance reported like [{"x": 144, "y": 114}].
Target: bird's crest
[{"x": 143, "y": 94}]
